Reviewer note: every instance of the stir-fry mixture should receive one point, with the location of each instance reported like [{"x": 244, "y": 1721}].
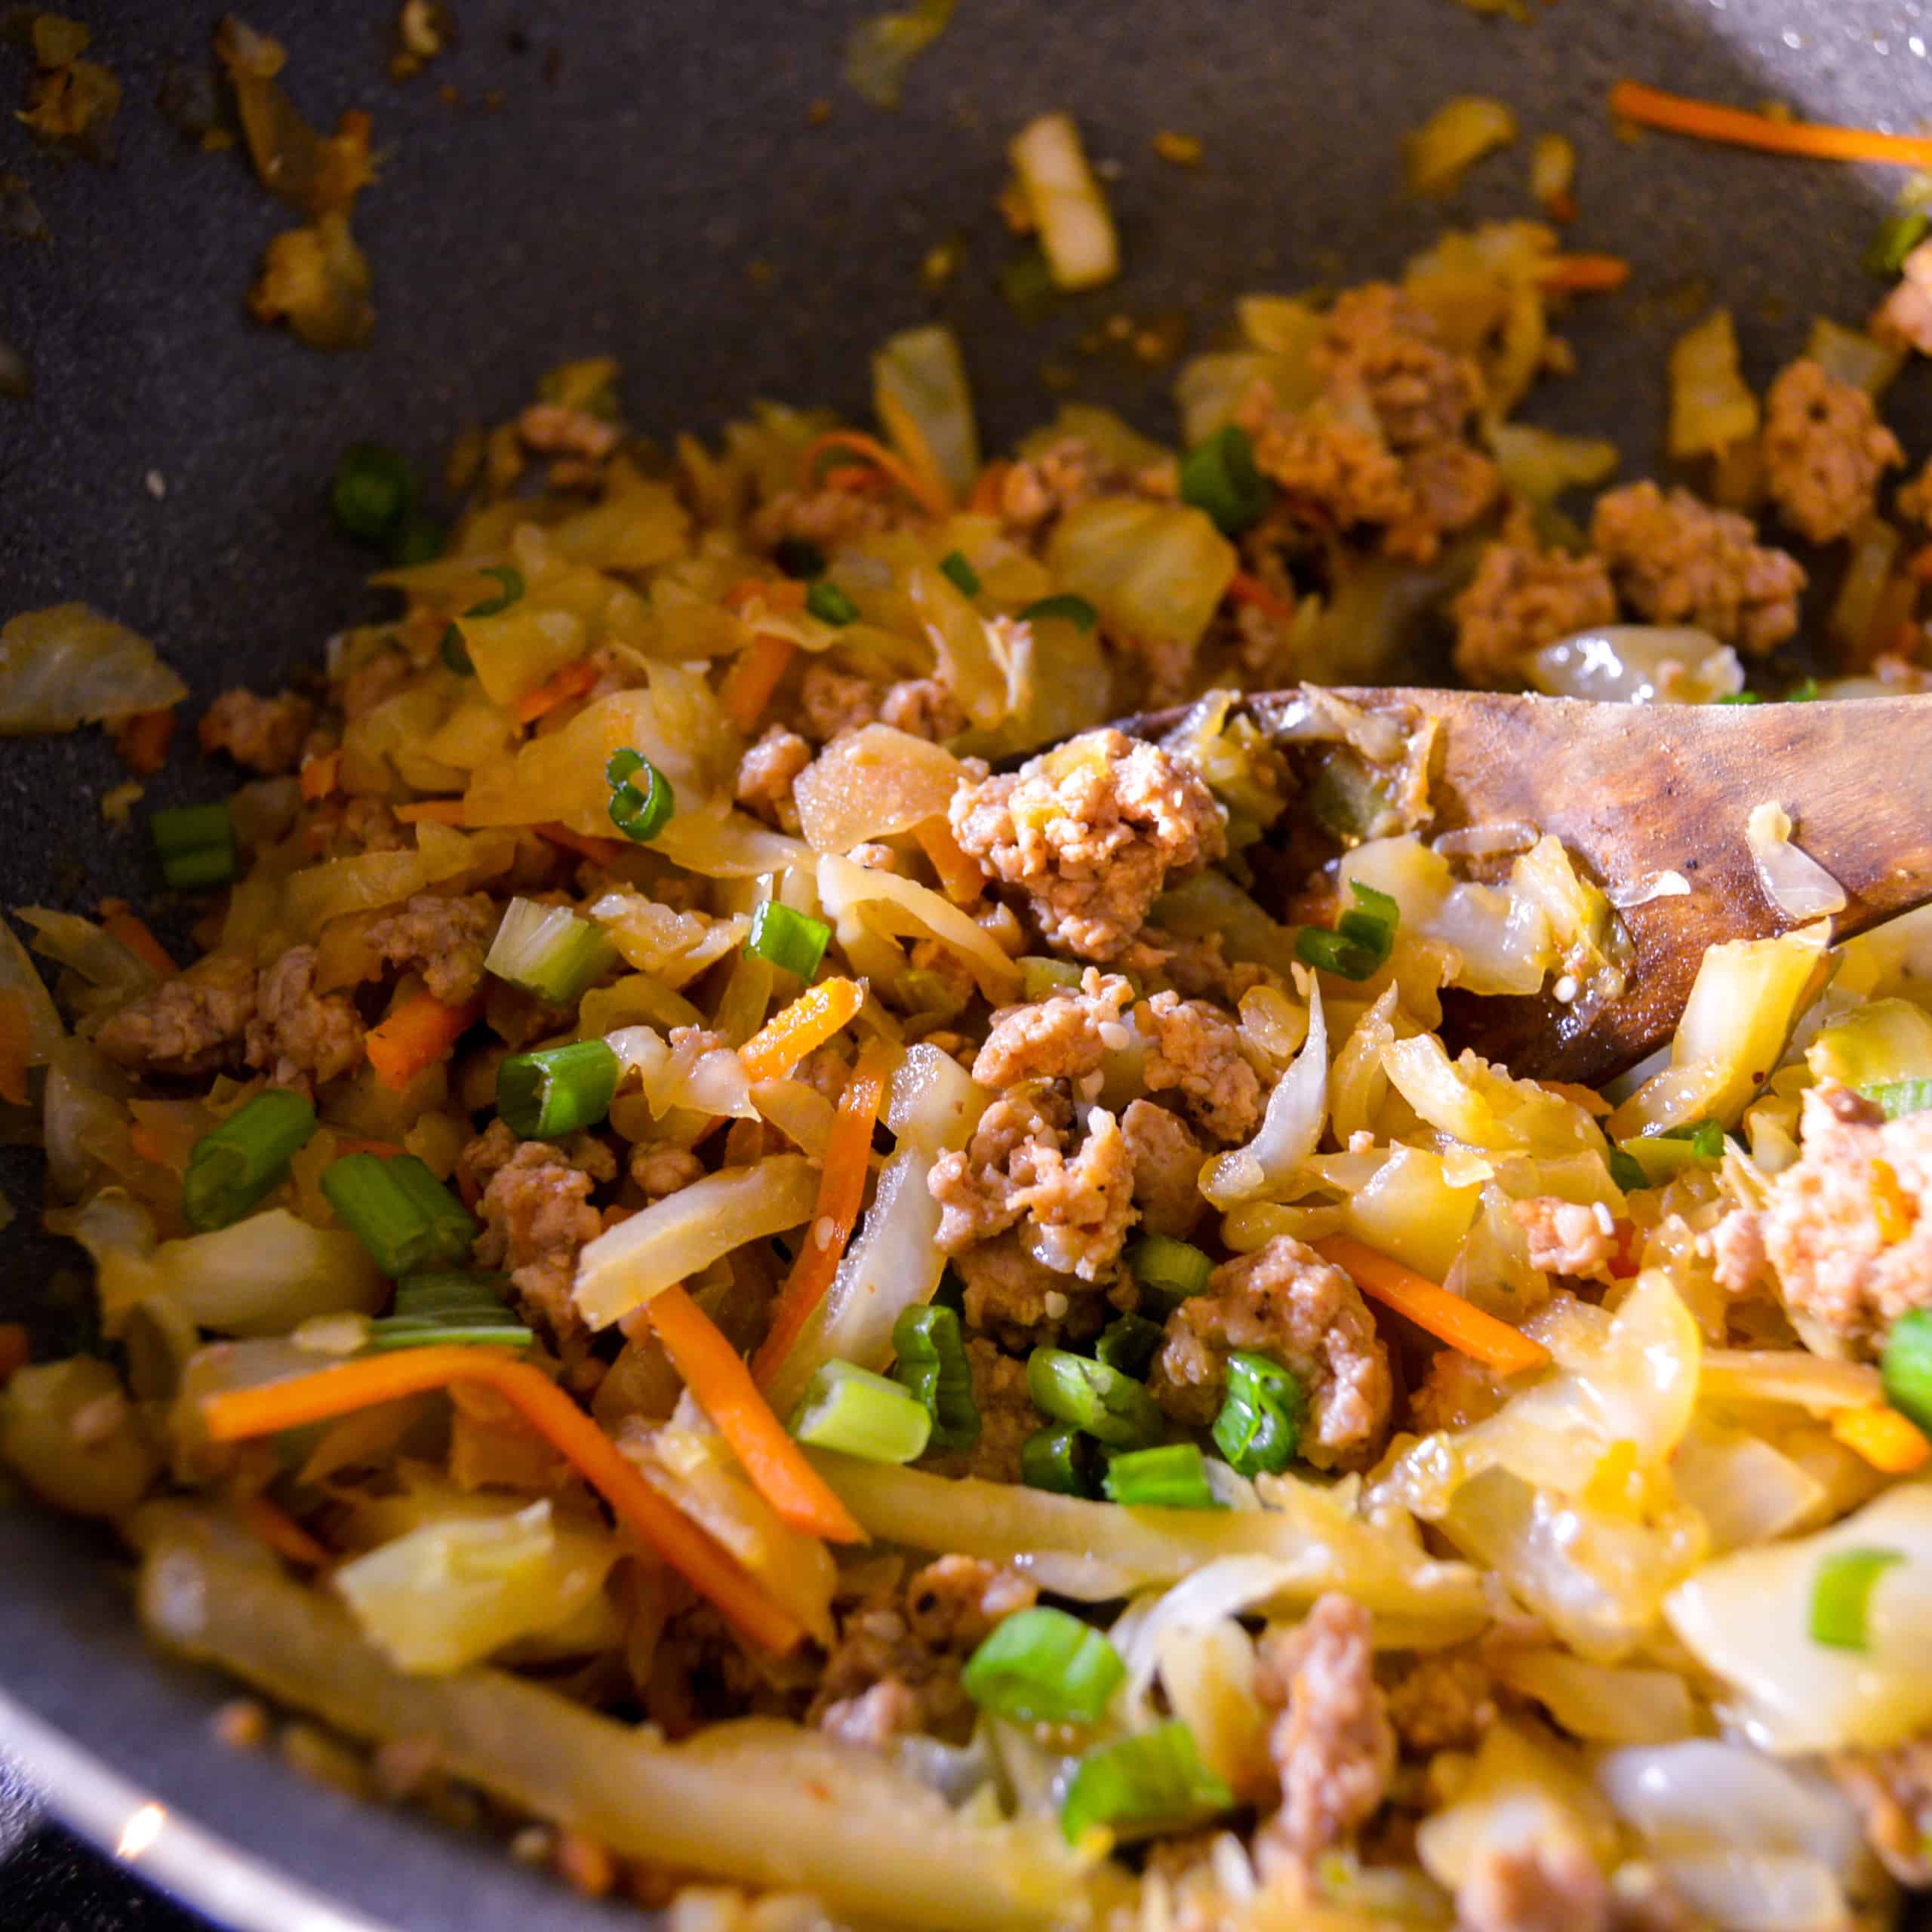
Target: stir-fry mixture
[{"x": 761, "y": 1254}]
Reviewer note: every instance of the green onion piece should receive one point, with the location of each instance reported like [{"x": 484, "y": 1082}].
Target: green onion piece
[
  {"x": 1168, "y": 1269},
  {"x": 1805, "y": 691},
  {"x": 829, "y": 604},
  {"x": 232, "y": 1167},
  {"x": 1627, "y": 1174},
  {"x": 548, "y": 951},
  {"x": 446, "y": 1308},
  {"x": 1041, "y": 978},
  {"x": 1906, "y": 1366},
  {"x": 1840, "y": 1592},
  {"x": 456, "y": 654},
  {"x": 1128, "y": 1343},
  {"x": 1219, "y": 476},
  {"x": 1897, "y": 235},
  {"x": 1153, "y": 1781},
  {"x": 511, "y": 578},
  {"x": 963, "y": 577},
  {"x": 1663, "y": 1157},
  {"x": 1899, "y": 1097},
  {"x": 1259, "y": 1429},
  {"x": 1359, "y": 947},
  {"x": 931, "y": 1350},
  {"x": 1173, "y": 1476},
  {"x": 1739, "y": 697},
  {"x": 851, "y": 1409},
  {"x": 407, "y": 1219},
  {"x": 639, "y": 815},
  {"x": 1112, "y": 1407},
  {"x": 373, "y": 492},
  {"x": 544, "y": 1096},
  {"x": 1066, "y": 609},
  {"x": 1044, "y": 1666},
  {"x": 794, "y": 941},
  {"x": 1060, "y": 1460},
  {"x": 196, "y": 844},
  {"x": 798, "y": 557}
]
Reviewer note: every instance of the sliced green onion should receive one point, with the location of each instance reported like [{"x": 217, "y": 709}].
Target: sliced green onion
[
  {"x": 1128, "y": 1343},
  {"x": 798, "y": 557},
  {"x": 1896, "y": 1098},
  {"x": 1897, "y": 235},
  {"x": 1259, "y": 1429},
  {"x": 1906, "y": 1366},
  {"x": 783, "y": 937},
  {"x": 456, "y": 654},
  {"x": 548, "y": 951},
  {"x": 1060, "y": 1460},
  {"x": 1044, "y": 1666},
  {"x": 1627, "y": 1174},
  {"x": 1805, "y": 691},
  {"x": 1168, "y": 1269},
  {"x": 1739, "y": 697},
  {"x": 851, "y": 1409},
  {"x": 1066, "y": 608},
  {"x": 829, "y": 604},
  {"x": 420, "y": 540},
  {"x": 234, "y": 1165},
  {"x": 963, "y": 577},
  {"x": 1663, "y": 1156},
  {"x": 1154, "y": 1781},
  {"x": 511, "y": 578},
  {"x": 1840, "y": 1592},
  {"x": 1041, "y": 978},
  {"x": 1172, "y": 1476},
  {"x": 544, "y": 1096},
  {"x": 1112, "y": 1407},
  {"x": 407, "y": 1219},
  {"x": 446, "y": 1308},
  {"x": 931, "y": 1350},
  {"x": 373, "y": 493},
  {"x": 1359, "y": 948},
  {"x": 1219, "y": 476},
  {"x": 639, "y": 815},
  {"x": 196, "y": 844}
]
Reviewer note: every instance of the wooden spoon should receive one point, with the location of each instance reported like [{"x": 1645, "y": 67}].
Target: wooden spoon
[{"x": 1636, "y": 790}]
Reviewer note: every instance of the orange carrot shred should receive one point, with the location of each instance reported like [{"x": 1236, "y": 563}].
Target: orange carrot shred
[
  {"x": 132, "y": 932},
  {"x": 1678, "y": 114},
  {"x": 383, "y": 1150},
  {"x": 572, "y": 681},
  {"x": 417, "y": 1035},
  {"x": 924, "y": 491},
  {"x": 841, "y": 1193},
  {"x": 282, "y": 1533},
  {"x": 142, "y": 741},
  {"x": 1434, "y": 1309},
  {"x": 1886, "y": 1439},
  {"x": 959, "y": 877},
  {"x": 440, "y": 812},
  {"x": 14, "y": 1035},
  {"x": 800, "y": 1028},
  {"x": 321, "y": 775},
  {"x": 1583, "y": 274},
  {"x": 753, "y": 677},
  {"x": 601, "y": 851},
  {"x": 235, "y": 1415},
  {"x": 988, "y": 487},
  {"x": 1245, "y": 588},
  {"x": 716, "y": 1375},
  {"x": 778, "y": 594},
  {"x": 16, "y": 1350},
  {"x": 146, "y": 1144}
]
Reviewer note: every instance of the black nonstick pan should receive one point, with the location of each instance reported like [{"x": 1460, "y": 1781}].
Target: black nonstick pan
[{"x": 652, "y": 181}]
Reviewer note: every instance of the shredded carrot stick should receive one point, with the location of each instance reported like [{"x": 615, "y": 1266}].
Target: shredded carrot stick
[
  {"x": 321, "y": 775},
  {"x": 13, "y": 1040},
  {"x": 572, "y": 681},
  {"x": 132, "y": 932},
  {"x": 418, "y": 1035},
  {"x": 383, "y": 1150},
  {"x": 16, "y": 1350},
  {"x": 146, "y": 1144},
  {"x": 1706, "y": 120},
  {"x": 282, "y": 1533},
  {"x": 603, "y": 851},
  {"x": 1583, "y": 274},
  {"x": 440, "y": 812},
  {"x": 841, "y": 1193},
  {"x": 717, "y": 1377},
  {"x": 1245, "y": 588},
  {"x": 142, "y": 741},
  {"x": 800, "y": 1028},
  {"x": 1448, "y": 1318},
  {"x": 988, "y": 487},
  {"x": 753, "y": 677},
  {"x": 235, "y": 1415},
  {"x": 1886, "y": 1439},
  {"x": 959, "y": 877},
  {"x": 778, "y": 594},
  {"x": 927, "y": 494}
]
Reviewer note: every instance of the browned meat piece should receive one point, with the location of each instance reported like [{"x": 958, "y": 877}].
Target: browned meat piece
[
  {"x": 1824, "y": 451},
  {"x": 1535, "y": 1886},
  {"x": 1332, "y": 1742},
  {"x": 1090, "y": 833},
  {"x": 1892, "y": 1791},
  {"x": 975, "y": 1187},
  {"x": 1059, "y": 1038},
  {"x": 1193, "y": 1048},
  {"x": 304, "y": 1038},
  {"x": 554, "y": 430},
  {"x": 1520, "y": 598},
  {"x": 191, "y": 1023},
  {"x": 346, "y": 828},
  {"x": 375, "y": 679},
  {"x": 1198, "y": 968},
  {"x": 1007, "y": 1417},
  {"x": 1737, "y": 1252},
  {"x": 536, "y": 1215},
  {"x": 443, "y": 938},
  {"x": 1904, "y": 319},
  {"x": 1442, "y": 1702},
  {"x": 1011, "y": 1295},
  {"x": 1454, "y": 488},
  {"x": 1080, "y": 1206},
  {"x": 659, "y": 1171},
  {"x": 1378, "y": 343},
  {"x": 1454, "y": 1393},
  {"x": 266, "y": 734},
  {"x": 835, "y": 701},
  {"x": 1677, "y": 561},
  {"x": 1037, "y": 490},
  {"x": 922, "y": 707},
  {"x": 1333, "y": 473},
  {"x": 1167, "y": 1168},
  {"x": 954, "y": 1604},
  {"x": 827, "y": 518},
  {"x": 766, "y": 773},
  {"x": 1284, "y": 1302},
  {"x": 1567, "y": 1238}
]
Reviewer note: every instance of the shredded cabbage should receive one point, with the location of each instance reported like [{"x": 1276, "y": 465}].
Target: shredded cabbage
[
  {"x": 68, "y": 666},
  {"x": 1793, "y": 881}
]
